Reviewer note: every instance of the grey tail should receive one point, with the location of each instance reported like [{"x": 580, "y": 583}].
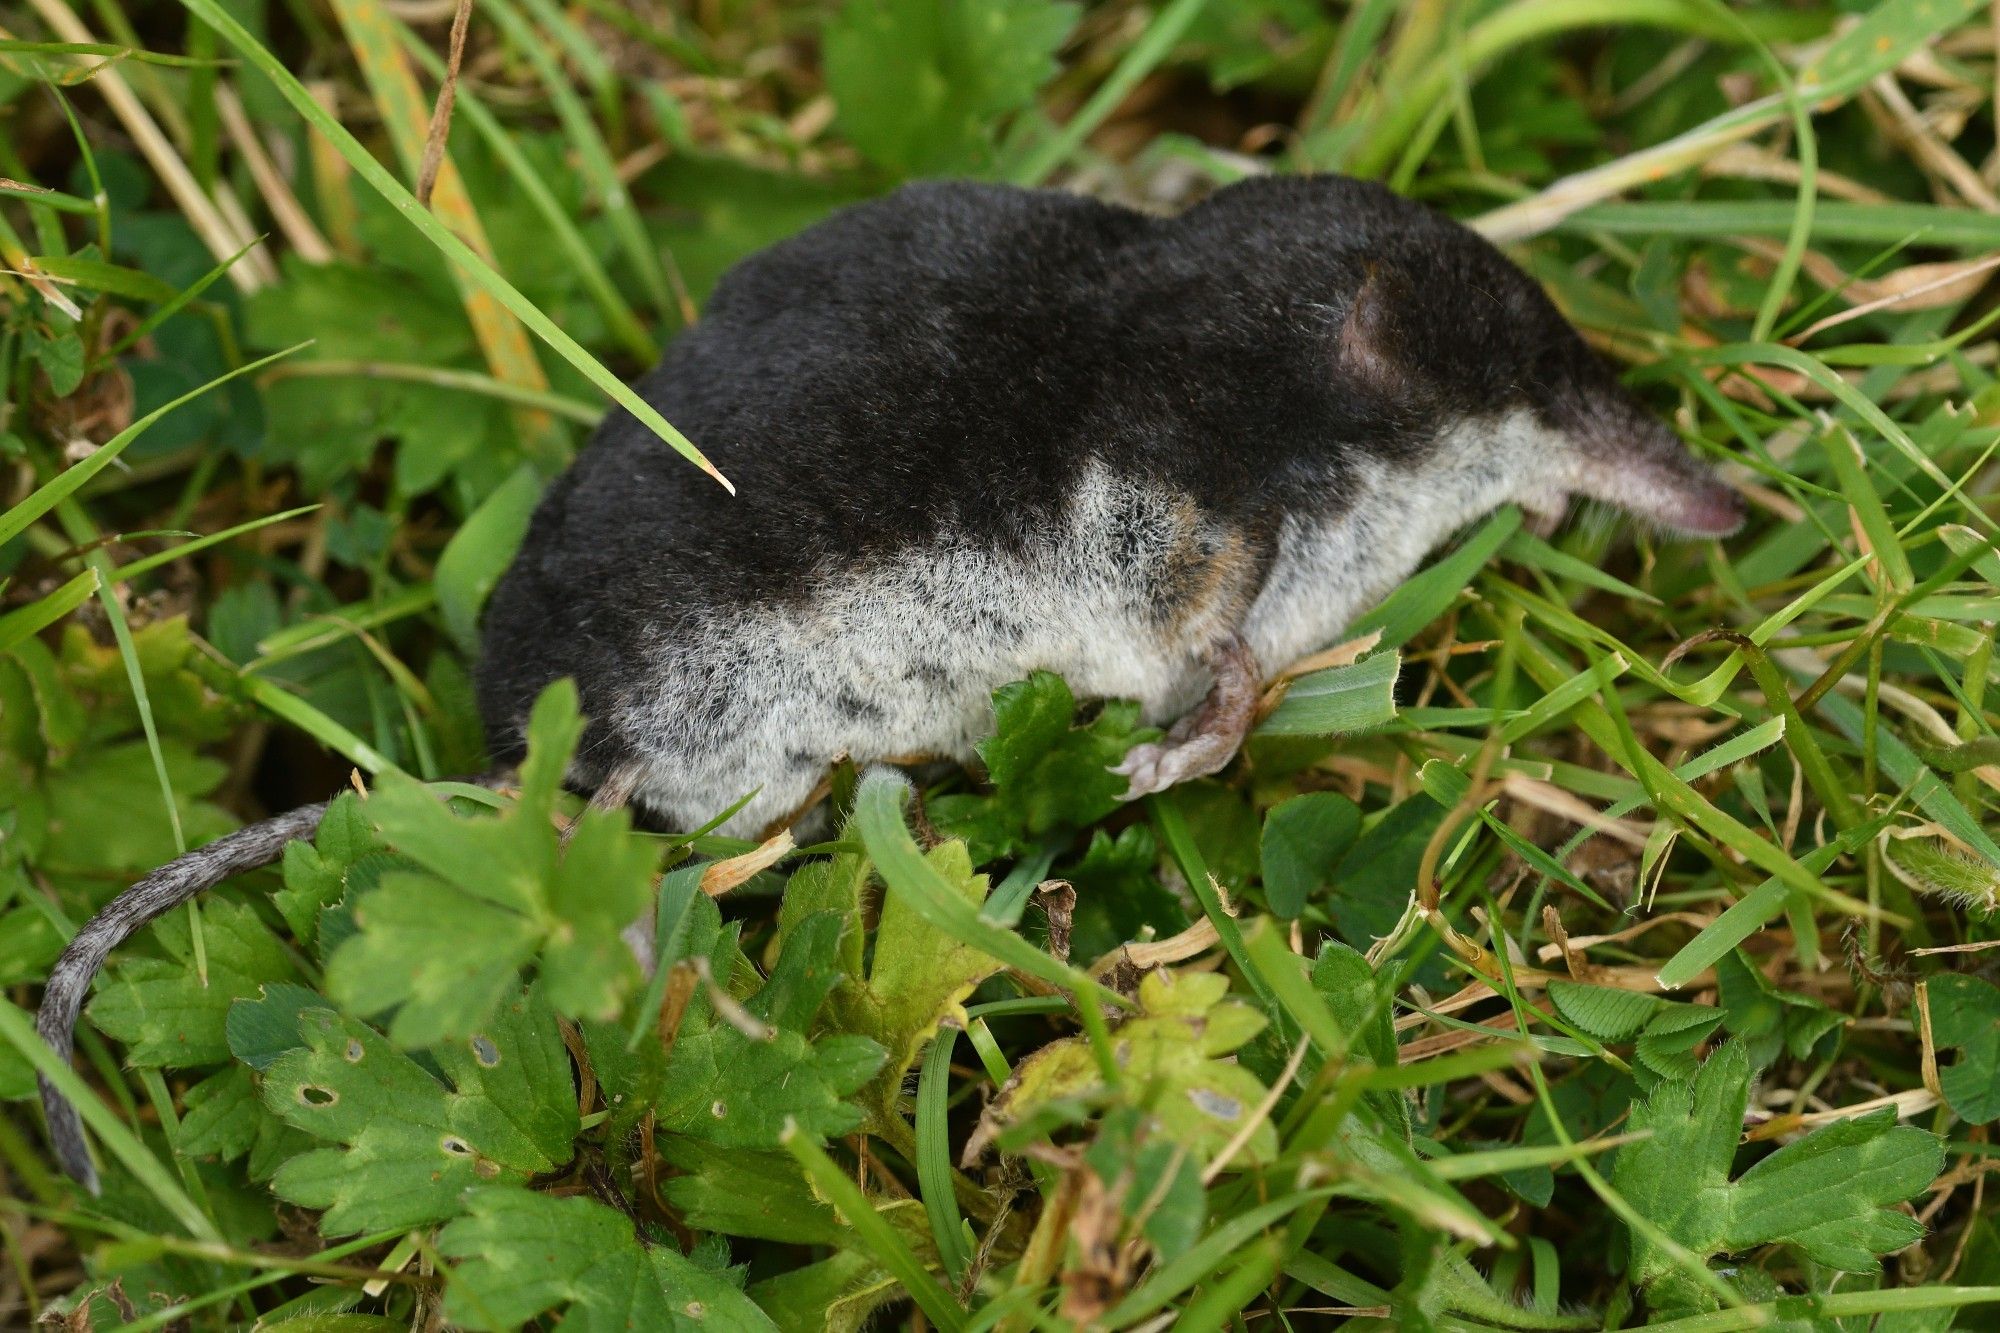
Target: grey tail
[{"x": 177, "y": 882}]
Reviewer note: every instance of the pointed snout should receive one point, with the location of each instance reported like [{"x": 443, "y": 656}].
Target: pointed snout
[{"x": 1651, "y": 475}]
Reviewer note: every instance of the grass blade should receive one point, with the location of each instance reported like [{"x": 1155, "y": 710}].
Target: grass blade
[{"x": 479, "y": 272}]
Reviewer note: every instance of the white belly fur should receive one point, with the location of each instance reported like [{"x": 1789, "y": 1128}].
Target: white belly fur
[{"x": 923, "y": 643}]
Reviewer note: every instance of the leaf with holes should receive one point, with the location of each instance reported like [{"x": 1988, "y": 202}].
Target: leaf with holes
[
  {"x": 1176, "y": 1051},
  {"x": 1965, "y": 1014},
  {"x": 1832, "y": 1193},
  {"x": 520, "y": 1254},
  {"x": 734, "y": 1080},
  {"x": 506, "y": 1109},
  {"x": 165, "y": 1011}
]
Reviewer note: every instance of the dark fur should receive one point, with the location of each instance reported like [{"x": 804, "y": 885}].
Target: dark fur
[
  {"x": 951, "y": 356},
  {"x": 951, "y": 359}
]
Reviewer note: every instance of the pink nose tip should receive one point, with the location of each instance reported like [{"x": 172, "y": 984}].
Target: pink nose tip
[{"x": 1704, "y": 508}]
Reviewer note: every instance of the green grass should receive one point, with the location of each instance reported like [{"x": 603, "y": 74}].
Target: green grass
[{"x": 1612, "y": 944}]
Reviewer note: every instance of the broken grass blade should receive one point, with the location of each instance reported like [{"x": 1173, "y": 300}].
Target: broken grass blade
[
  {"x": 19, "y": 625},
  {"x": 1339, "y": 700},
  {"x": 477, "y": 270}
]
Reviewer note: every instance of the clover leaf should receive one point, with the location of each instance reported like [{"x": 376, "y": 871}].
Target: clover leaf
[{"x": 1965, "y": 1014}]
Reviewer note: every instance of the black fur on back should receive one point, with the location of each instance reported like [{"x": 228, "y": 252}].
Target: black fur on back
[{"x": 946, "y": 360}]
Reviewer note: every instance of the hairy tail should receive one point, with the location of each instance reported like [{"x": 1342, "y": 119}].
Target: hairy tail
[{"x": 177, "y": 882}]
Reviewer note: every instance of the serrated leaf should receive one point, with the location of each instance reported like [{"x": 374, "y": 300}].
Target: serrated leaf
[
  {"x": 1605, "y": 1012},
  {"x": 1174, "y": 1051},
  {"x": 162, "y": 1009},
  {"x": 316, "y": 872},
  {"x": 919, "y": 84},
  {"x": 522, "y": 1254},
  {"x": 412, "y": 1143},
  {"x": 1965, "y": 1016},
  {"x": 1831, "y": 1193},
  {"x": 742, "y": 1193},
  {"x": 442, "y": 945},
  {"x": 1046, "y": 771},
  {"x": 224, "y": 1117},
  {"x": 262, "y": 1028},
  {"x": 732, "y": 1088},
  {"x": 1668, "y": 1043}
]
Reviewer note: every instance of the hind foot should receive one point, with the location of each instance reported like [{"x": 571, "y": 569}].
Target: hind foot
[{"x": 1206, "y": 739}]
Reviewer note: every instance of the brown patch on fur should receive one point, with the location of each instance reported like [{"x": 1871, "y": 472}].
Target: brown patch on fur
[{"x": 1207, "y": 581}]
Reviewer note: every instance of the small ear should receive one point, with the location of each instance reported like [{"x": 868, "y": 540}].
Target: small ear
[{"x": 1365, "y": 348}]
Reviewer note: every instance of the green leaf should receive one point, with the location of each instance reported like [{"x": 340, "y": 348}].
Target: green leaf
[
  {"x": 263, "y": 1029},
  {"x": 164, "y": 1011},
  {"x": 520, "y": 1254},
  {"x": 1304, "y": 838},
  {"x": 316, "y": 872},
  {"x": 919, "y": 974},
  {"x": 1668, "y": 1044},
  {"x": 225, "y": 1118},
  {"x": 445, "y": 943},
  {"x": 756, "y": 1194},
  {"x": 1175, "y": 1053},
  {"x": 737, "y": 1088},
  {"x": 1338, "y": 700},
  {"x": 1965, "y": 1016},
  {"x": 413, "y": 1143},
  {"x": 1605, "y": 1012},
  {"x": 62, "y": 359},
  {"x": 919, "y": 84},
  {"x": 480, "y": 551},
  {"x": 1830, "y": 1193},
  {"x": 1768, "y": 1020},
  {"x": 1046, "y": 772}
]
